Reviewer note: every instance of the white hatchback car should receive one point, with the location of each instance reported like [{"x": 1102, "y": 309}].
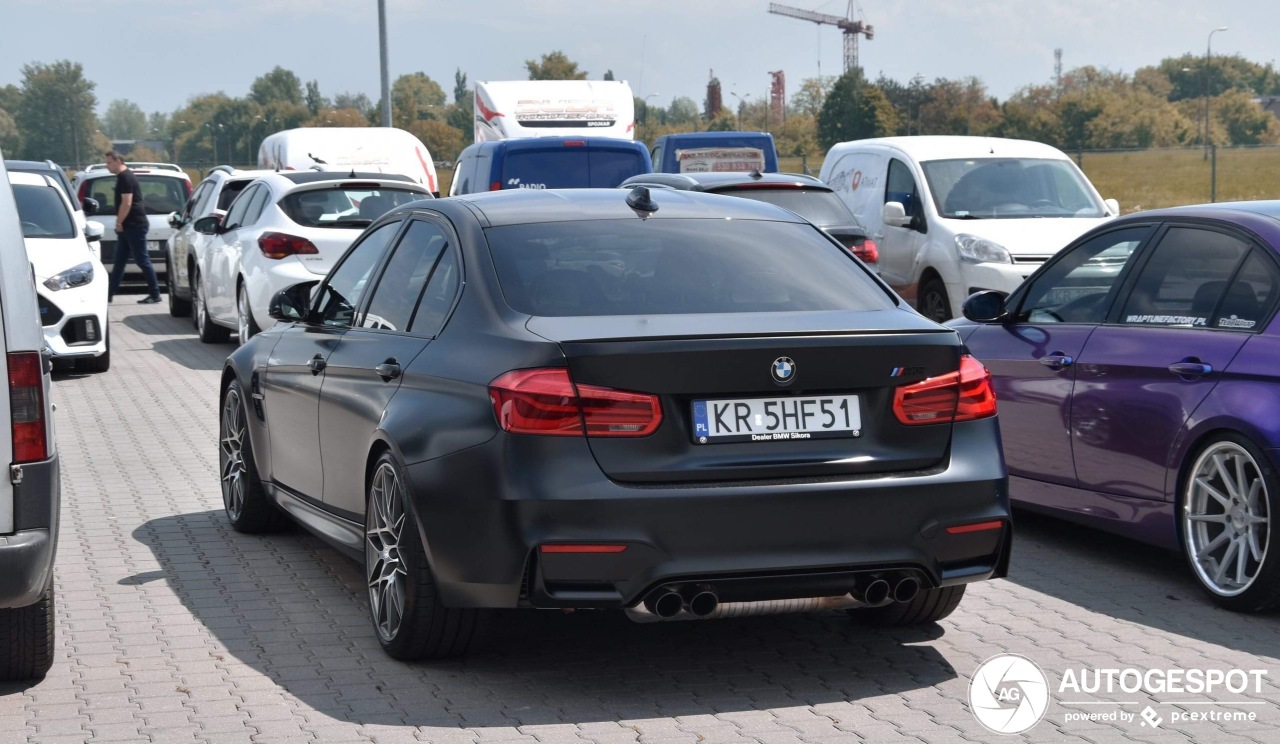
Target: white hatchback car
[
  {"x": 283, "y": 229},
  {"x": 71, "y": 284}
]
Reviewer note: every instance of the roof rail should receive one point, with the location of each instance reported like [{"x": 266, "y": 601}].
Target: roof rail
[
  {"x": 229, "y": 170},
  {"x": 95, "y": 166},
  {"x": 155, "y": 166}
]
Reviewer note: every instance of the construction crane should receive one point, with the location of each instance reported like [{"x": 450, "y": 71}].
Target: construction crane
[{"x": 851, "y": 28}]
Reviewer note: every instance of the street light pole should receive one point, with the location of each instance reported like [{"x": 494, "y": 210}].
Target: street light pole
[
  {"x": 646, "y": 110},
  {"x": 1208, "y": 53},
  {"x": 386, "y": 71}
]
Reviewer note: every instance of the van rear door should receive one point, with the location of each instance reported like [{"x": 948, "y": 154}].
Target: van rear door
[{"x": 572, "y": 164}]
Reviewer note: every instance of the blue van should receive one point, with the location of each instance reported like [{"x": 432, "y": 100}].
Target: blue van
[
  {"x": 715, "y": 152},
  {"x": 548, "y": 163}
]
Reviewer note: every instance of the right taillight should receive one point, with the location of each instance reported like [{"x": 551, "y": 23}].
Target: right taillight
[
  {"x": 963, "y": 395},
  {"x": 280, "y": 245},
  {"x": 546, "y": 401},
  {"x": 26, "y": 407},
  {"x": 867, "y": 251}
]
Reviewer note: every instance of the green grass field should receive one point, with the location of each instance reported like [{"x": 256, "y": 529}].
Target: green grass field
[{"x": 1149, "y": 179}]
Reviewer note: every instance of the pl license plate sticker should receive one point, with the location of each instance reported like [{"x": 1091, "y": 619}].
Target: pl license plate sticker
[{"x": 776, "y": 419}]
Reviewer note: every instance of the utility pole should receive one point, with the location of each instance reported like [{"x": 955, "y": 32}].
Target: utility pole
[
  {"x": 1208, "y": 52},
  {"x": 386, "y": 71}
]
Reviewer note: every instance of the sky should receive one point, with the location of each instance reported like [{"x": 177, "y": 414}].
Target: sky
[{"x": 160, "y": 53}]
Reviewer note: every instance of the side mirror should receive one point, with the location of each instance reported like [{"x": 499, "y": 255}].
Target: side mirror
[
  {"x": 175, "y": 220},
  {"x": 986, "y": 306},
  {"x": 211, "y": 225},
  {"x": 895, "y": 214},
  {"x": 292, "y": 304},
  {"x": 90, "y": 206},
  {"x": 93, "y": 231},
  {"x": 1113, "y": 207}
]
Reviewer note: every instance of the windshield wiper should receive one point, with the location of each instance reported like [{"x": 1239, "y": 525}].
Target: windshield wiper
[{"x": 963, "y": 217}]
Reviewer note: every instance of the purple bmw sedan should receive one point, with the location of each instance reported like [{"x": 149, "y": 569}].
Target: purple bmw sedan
[{"x": 1138, "y": 374}]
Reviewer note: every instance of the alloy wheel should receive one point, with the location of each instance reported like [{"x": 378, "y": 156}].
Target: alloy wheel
[
  {"x": 1226, "y": 522},
  {"x": 935, "y": 307},
  {"x": 384, "y": 567},
  {"x": 231, "y": 454}
]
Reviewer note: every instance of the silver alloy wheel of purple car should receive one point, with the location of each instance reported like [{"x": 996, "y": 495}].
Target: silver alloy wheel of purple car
[
  {"x": 384, "y": 569},
  {"x": 1226, "y": 522},
  {"x": 231, "y": 454}
]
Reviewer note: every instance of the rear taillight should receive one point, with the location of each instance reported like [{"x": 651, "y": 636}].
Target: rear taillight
[
  {"x": 495, "y": 186},
  {"x": 867, "y": 250},
  {"x": 26, "y": 407},
  {"x": 84, "y": 191},
  {"x": 280, "y": 245},
  {"x": 545, "y": 401},
  {"x": 962, "y": 395},
  {"x": 575, "y": 143}
]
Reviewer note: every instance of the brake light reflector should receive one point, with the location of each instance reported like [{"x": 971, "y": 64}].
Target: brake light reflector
[
  {"x": 26, "y": 407},
  {"x": 280, "y": 245},
  {"x": 582, "y": 548},
  {"x": 545, "y": 401},
  {"x": 963, "y": 395},
  {"x": 961, "y": 529}
]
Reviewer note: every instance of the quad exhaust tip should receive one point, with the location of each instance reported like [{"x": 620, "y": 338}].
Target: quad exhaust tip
[
  {"x": 906, "y": 589},
  {"x": 875, "y": 592},
  {"x": 703, "y": 603},
  {"x": 664, "y": 603}
]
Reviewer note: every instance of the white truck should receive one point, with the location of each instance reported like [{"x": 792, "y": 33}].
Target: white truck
[
  {"x": 554, "y": 108},
  {"x": 366, "y": 149}
]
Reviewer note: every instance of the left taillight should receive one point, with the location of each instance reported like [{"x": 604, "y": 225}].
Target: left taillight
[
  {"x": 26, "y": 407},
  {"x": 547, "y": 402},
  {"x": 280, "y": 245},
  {"x": 963, "y": 395}
]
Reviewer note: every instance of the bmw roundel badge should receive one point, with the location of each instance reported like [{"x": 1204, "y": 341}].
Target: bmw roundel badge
[{"x": 783, "y": 370}]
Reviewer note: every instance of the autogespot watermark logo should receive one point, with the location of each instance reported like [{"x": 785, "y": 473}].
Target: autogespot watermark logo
[{"x": 1009, "y": 694}]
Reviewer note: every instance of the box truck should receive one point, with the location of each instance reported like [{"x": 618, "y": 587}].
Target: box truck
[{"x": 554, "y": 108}]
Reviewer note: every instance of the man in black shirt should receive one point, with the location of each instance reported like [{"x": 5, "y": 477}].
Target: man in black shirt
[{"x": 131, "y": 230}]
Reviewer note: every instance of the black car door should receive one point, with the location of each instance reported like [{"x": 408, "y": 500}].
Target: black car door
[
  {"x": 296, "y": 367},
  {"x": 364, "y": 370}
]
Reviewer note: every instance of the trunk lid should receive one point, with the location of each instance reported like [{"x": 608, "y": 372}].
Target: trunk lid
[{"x": 724, "y": 359}]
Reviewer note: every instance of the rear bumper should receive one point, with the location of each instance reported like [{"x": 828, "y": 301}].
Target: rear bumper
[
  {"x": 485, "y": 511},
  {"x": 27, "y": 554}
]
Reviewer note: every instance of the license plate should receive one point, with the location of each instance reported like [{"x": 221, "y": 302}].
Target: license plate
[
  {"x": 155, "y": 246},
  {"x": 776, "y": 419}
]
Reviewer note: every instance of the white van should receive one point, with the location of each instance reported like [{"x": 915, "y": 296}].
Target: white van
[
  {"x": 554, "y": 108},
  {"x": 365, "y": 149},
  {"x": 955, "y": 215}
]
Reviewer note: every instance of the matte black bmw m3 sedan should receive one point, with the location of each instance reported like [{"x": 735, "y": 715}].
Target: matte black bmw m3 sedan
[{"x": 675, "y": 404}]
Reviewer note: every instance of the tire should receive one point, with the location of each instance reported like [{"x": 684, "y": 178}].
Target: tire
[
  {"x": 26, "y": 639},
  {"x": 929, "y": 606},
  {"x": 178, "y": 308},
  {"x": 100, "y": 363},
  {"x": 209, "y": 332},
  {"x": 243, "y": 497},
  {"x": 933, "y": 302},
  {"x": 1230, "y": 524},
  {"x": 247, "y": 329},
  {"x": 396, "y": 571}
]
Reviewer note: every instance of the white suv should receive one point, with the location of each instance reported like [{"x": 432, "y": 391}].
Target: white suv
[
  {"x": 30, "y": 495},
  {"x": 165, "y": 188},
  {"x": 70, "y": 280},
  {"x": 213, "y": 196}
]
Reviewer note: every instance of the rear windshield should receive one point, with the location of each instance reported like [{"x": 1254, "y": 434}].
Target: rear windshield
[
  {"x": 660, "y": 267},
  {"x": 344, "y": 207},
  {"x": 42, "y": 212},
  {"x": 229, "y": 193},
  {"x": 570, "y": 168},
  {"x": 819, "y": 207},
  {"x": 160, "y": 194}
]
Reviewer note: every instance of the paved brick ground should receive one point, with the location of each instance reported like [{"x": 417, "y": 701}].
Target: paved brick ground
[{"x": 173, "y": 628}]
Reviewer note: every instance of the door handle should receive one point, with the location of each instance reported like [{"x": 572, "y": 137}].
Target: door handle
[
  {"x": 388, "y": 370},
  {"x": 1057, "y": 360},
  {"x": 1189, "y": 368},
  {"x": 316, "y": 364}
]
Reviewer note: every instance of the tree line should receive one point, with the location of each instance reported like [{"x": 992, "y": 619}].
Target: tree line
[{"x": 52, "y": 113}]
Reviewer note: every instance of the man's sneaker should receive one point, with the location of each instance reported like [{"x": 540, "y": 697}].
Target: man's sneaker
[{"x": 149, "y": 300}]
